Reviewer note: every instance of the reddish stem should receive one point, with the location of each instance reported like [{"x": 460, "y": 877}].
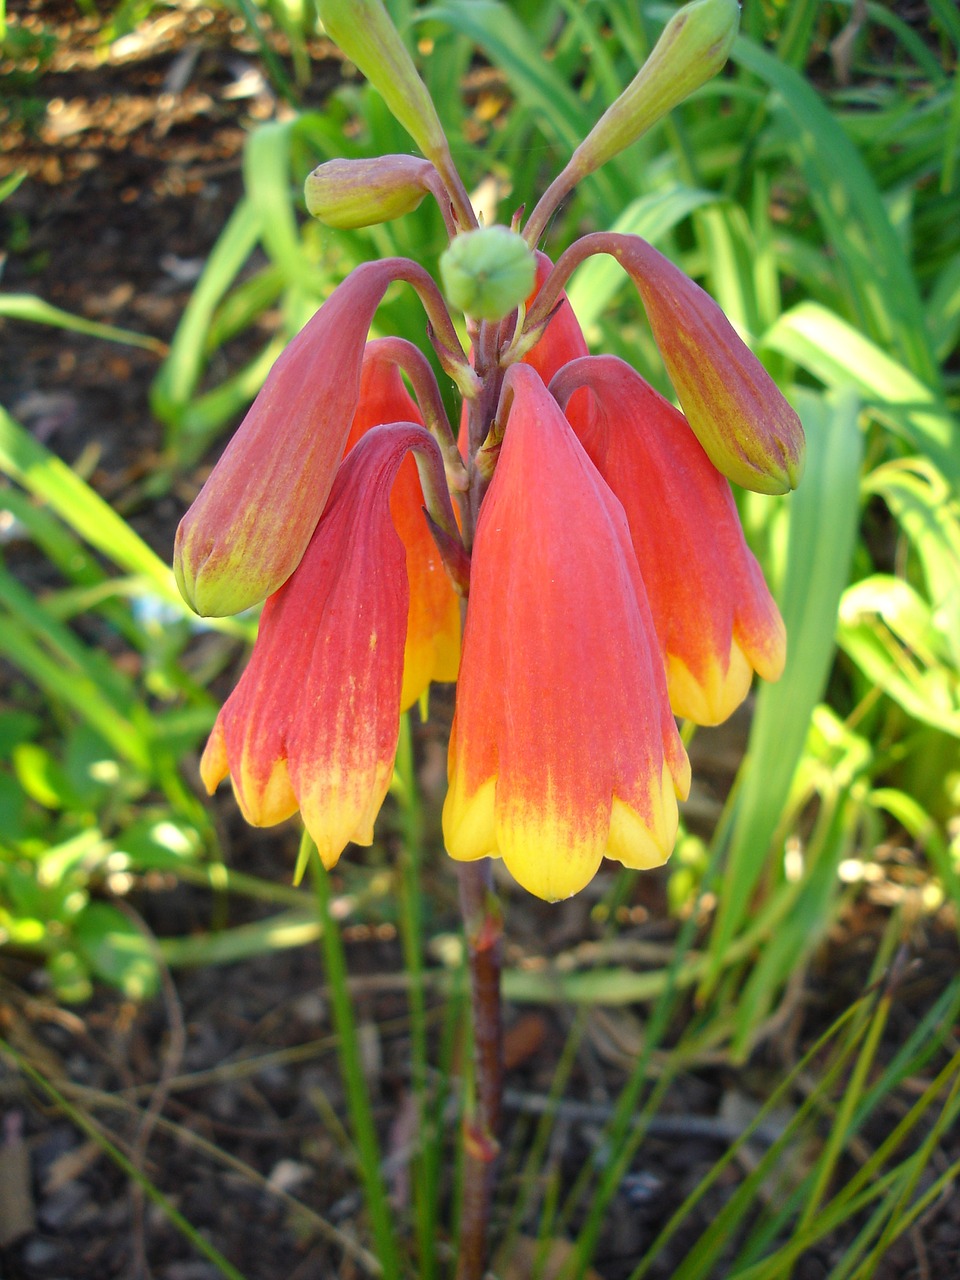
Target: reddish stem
[{"x": 484, "y": 930}]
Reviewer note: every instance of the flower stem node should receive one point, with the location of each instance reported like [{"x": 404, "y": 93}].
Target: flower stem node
[
  {"x": 487, "y": 273},
  {"x": 361, "y": 193}
]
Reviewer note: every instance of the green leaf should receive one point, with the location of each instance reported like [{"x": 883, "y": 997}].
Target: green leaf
[
  {"x": 869, "y": 252},
  {"x": 180, "y": 373},
  {"x": 840, "y": 356},
  {"x": 928, "y": 511},
  {"x": 824, "y": 514},
  {"x": 887, "y": 628},
  {"x": 116, "y": 950},
  {"x": 41, "y": 472},
  {"x": 25, "y": 306}
]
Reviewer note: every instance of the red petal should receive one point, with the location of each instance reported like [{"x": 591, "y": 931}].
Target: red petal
[{"x": 563, "y": 747}]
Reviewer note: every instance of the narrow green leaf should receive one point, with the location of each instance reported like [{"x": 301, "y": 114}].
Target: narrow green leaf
[
  {"x": 26, "y": 306},
  {"x": 840, "y": 356},
  {"x": 853, "y": 214},
  {"x": 823, "y": 521},
  {"x": 181, "y": 371},
  {"x": 886, "y": 627},
  {"x": 25, "y": 460}
]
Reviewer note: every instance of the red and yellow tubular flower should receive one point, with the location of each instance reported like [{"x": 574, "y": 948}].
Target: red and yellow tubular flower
[
  {"x": 716, "y": 621},
  {"x": 564, "y": 748},
  {"x": 432, "y": 650},
  {"x": 313, "y": 723},
  {"x": 747, "y": 428},
  {"x": 251, "y": 522}
]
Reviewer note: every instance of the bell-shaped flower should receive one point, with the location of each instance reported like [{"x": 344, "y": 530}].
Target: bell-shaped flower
[
  {"x": 250, "y": 524},
  {"x": 313, "y": 723},
  {"x": 432, "y": 650},
  {"x": 563, "y": 748},
  {"x": 736, "y": 410},
  {"x": 715, "y": 619}
]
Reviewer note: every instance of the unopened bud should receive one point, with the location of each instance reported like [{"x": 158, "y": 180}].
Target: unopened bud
[
  {"x": 747, "y": 429},
  {"x": 365, "y": 33},
  {"x": 487, "y": 273},
  {"x": 693, "y": 47},
  {"x": 360, "y": 193}
]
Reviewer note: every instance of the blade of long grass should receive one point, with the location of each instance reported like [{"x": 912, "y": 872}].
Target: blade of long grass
[
  {"x": 180, "y": 374},
  {"x": 351, "y": 1069},
  {"x": 93, "y": 1131},
  {"x": 79, "y": 688},
  {"x": 855, "y": 1197},
  {"x": 908, "y": 1062},
  {"x": 426, "y": 1165},
  {"x": 715, "y": 1239},
  {"x": 26, "y": 306},
  {"x": 41, "y": 472},
  {"x": 267, "y": 180},
  {"x": 943, "y": 303},
  {"x": 840, "y": 356},
  {"x": 853, "y": 214},
  {"x": 823, "y": 521},
  {"x": 48, "y": 478},
  {"x": 892, "y": 1209},
  {"x": 928, "y": 511}
]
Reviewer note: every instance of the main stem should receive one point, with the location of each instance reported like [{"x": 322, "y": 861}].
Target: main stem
[
  {"x": 480, "y": 908},
  {"x": 484, "y": 931}
]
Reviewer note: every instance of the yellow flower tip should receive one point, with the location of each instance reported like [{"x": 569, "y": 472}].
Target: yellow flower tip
[
  {"x": 769, "y": 655},
  {"x": 340, "y": 805},
  {"x": 469, "y": 826},
  {"x": 633, "y": 840},
  {"x": 214, "y": 765},
  {"x": 550, "y": 871},
  {"x": 709, "y": 700},
  {"x": 264, "y": 800}
]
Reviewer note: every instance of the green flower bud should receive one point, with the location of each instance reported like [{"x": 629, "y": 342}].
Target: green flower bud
[
  {"x": 360, "y": 193},
  {"x": 692, "y": 48},
  {"x": 487, "y": 273},
  {"x": 363, "y": 30}
]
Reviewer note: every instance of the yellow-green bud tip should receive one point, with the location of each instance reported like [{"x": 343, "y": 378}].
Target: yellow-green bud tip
[{"x": 487, "y": 273}]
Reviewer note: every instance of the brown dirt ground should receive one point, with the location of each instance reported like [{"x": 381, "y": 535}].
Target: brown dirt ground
[{"x": 130, "y": 183}]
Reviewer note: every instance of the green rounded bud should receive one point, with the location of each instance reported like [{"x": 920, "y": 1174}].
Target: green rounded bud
[
  {"x": 488, "y": 273},
  {"x": 360, "y": 193}
]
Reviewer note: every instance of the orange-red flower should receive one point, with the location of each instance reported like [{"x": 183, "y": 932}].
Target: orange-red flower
[
  {"x": 745, "y": 425},
  {"x": 715, "y": 619},
  {"x": 313, "y": 723},
  {"x": 564, "y": 747},
  {"x": 432, "y": 650}
]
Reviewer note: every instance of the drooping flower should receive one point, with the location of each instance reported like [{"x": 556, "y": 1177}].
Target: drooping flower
[
  {"x": 715, "y": 619},
  {"x": 432, "y": 650},
  {"x": 250, "y": 524},
  {"x": 736, "y": 410},
  {"x": 313, "y": 723},
  {"x": 563, "y": 747}
]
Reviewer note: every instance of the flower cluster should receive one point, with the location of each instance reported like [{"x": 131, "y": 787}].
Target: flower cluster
[{"x": 582, "y": 527}]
